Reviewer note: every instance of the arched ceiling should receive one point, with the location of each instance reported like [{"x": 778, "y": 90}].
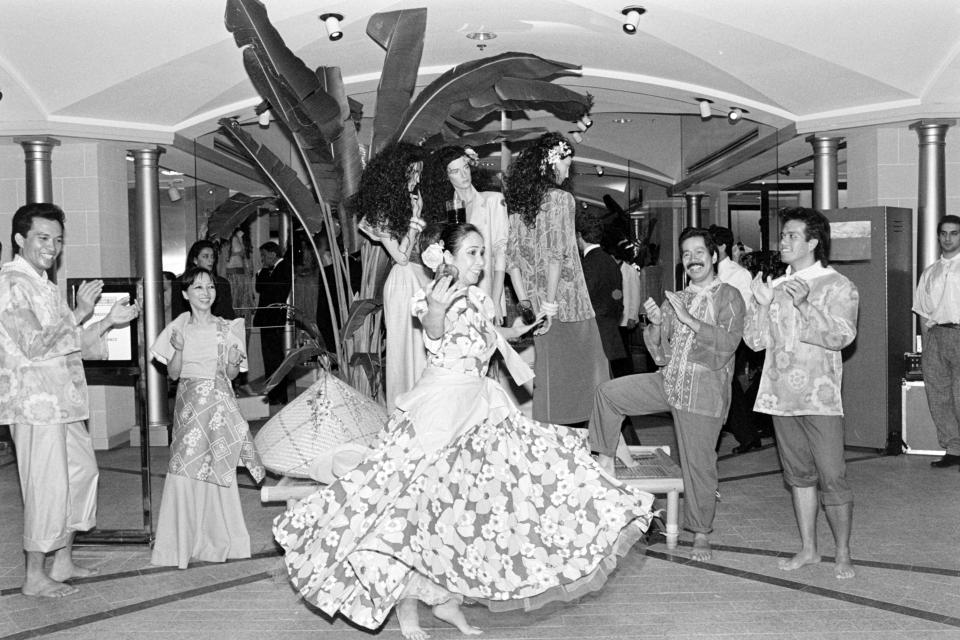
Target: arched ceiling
[{"x": 147, "y": 70}]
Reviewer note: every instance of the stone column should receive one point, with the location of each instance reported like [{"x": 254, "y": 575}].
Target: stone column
[
  {"x": 693, "y": 208},
  {"x": 824, "y": 171},
  {"x": 37, "y": 151},
  {"x": 285, "y": 232},
  {"x": 150, "y": 267},
  {"x": 506, "y": 124},
  {"x": 931, "y": 200}
]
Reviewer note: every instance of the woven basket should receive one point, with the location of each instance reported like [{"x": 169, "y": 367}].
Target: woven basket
[{"x": 328, "y": 417}]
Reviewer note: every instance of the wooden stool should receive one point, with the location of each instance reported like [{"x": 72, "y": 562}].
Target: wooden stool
[{"x": 656, "y": 473}]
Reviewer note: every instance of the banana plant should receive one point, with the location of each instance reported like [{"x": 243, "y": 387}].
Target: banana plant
[{"x": 313, "y": 107}]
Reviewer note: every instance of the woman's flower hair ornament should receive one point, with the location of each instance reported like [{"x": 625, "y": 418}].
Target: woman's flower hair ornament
[
  {"x": 555, "y": 154},
  {"x": 473, "y": 158},
  {"x": 432, "y": 256}
]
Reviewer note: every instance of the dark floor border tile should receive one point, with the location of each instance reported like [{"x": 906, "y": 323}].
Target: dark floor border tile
[
  {"x": 134, "y": 608},
  {"x": 761, "y": 474},
  {"x": 873, "y": 564},
  {"x": 150, "y": 571},
  {"x": 806, "y": 588}
]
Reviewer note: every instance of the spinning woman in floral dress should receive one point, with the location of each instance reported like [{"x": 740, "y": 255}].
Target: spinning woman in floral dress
[{"x": 463, "y": 497}]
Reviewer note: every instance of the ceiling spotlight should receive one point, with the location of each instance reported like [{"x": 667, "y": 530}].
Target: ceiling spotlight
[
  {"x": 481, "y": 37},
  {"x": 577, "y": 136},
  {"x": 332, "y": 22},
  {"x": 264, "y": 118},
  {"x": 705, "y": 112},
  {"x": 632, "y": 18},
  {"x": 736, "y": 114},
  {"x": 173, "y": 193},
  {"x": 599, "y": 170}
]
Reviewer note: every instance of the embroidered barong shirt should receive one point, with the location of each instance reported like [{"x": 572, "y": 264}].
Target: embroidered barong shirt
[
  {"x": 41, "y": 351},
  {"x": 803, "y": 369},
  {"x": 697, "y": 367}
]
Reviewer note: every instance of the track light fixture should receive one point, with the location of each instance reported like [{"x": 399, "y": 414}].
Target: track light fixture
[
  {"x": 632, "y": 18},
  {"x": 332, "y": 22},
  {"x": 599, "y": 170},
  {"x": 264, "y": 118},
  {"x": 705, "y": 111},
  {"x": 173, "y": 193},
  {"x": 736, "y": 114}
]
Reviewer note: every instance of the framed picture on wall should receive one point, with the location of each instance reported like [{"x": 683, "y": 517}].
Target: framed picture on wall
[{"x": 123, "y": 345}]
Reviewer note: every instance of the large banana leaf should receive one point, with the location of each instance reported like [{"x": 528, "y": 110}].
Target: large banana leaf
[
  {"x": 359, "y": 311},
  {"x": 401, "y": 34},
  {"x": 526, "y": 93},
  {"x": 488, "y": 137},
  {"x": 233, "y": 212},
  {"x": 346, "y": 149},
  {"x": 435, "y": 103},
  {"x": 283, "y": 179},
  {"x": 296, "y": 357},
  {"x": 280, "y": 77}
]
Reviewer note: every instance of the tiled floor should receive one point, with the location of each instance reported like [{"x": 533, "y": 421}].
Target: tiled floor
[{"x": 906, "y": 544}]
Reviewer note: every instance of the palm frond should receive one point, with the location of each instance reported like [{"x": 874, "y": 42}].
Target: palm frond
[
  {"x": 401, "y": 34},
  {"x": 432, "y": 105}
]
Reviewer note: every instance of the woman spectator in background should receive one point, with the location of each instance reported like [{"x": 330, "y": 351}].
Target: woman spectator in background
[
  {"x": 390, "y": 207},
  {"x": 203, "y": 254},
  {"x": 545, "y": 271},
  {"x": 200, "y": 514}
]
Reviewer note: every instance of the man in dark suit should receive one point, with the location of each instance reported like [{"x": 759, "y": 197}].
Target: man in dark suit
[
  {"x": 604, "y": 283},
  {"x": 272, "y": 286}
]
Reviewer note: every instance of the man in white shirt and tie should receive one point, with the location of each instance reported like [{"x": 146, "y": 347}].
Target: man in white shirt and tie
[{"x": 937, "y": 302}]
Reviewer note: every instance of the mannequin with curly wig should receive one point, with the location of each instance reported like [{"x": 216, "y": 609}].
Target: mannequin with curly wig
[
  {"x": 449, "y": 177},
  {"x": 544, "y": 266},
  {"x": 390, "y": 206}
]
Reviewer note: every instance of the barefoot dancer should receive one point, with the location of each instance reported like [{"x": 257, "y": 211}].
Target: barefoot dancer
[
  {"x": 463, "y": 497},
  {"x": 692, "y": 337},
  {"x": 45, "y": 397},
  {"x": 803, "y": 320}
]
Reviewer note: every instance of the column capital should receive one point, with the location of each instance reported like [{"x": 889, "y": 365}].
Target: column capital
[
  {"x": 933, "y": 131},
  {"x": 152, "y": 149},
  {"x": 933, "y": 122},
  {"x": 37, "y": 140},
  {"x": 823, "y": 139}
]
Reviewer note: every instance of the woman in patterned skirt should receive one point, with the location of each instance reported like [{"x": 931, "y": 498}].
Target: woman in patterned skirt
[
  {"x": 463, "y": 496},
  {"x": 200, "y": 514},
  {"x": 544, "y": 266}
]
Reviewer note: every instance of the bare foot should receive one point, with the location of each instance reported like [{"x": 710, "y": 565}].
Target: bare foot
[
  {"x": 701, "y": 548},
  {"x": 47, "y": 588},
  {"x": 843, "y": 567},
  {"x": 61, "y": 571},
  {"x": 623, "y": 454},
  {"x": 606, "y": 463},
  {"x": 408, "y": 615},
  {"x": 450, "y": 611},
  {"x": 802, "y": 559}
]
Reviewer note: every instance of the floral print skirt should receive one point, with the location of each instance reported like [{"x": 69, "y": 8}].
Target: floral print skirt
[{"x": 513, "y": 515}]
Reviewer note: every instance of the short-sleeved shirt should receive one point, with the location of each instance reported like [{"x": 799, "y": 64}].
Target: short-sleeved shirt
[{"x": 200, "y": 342}]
